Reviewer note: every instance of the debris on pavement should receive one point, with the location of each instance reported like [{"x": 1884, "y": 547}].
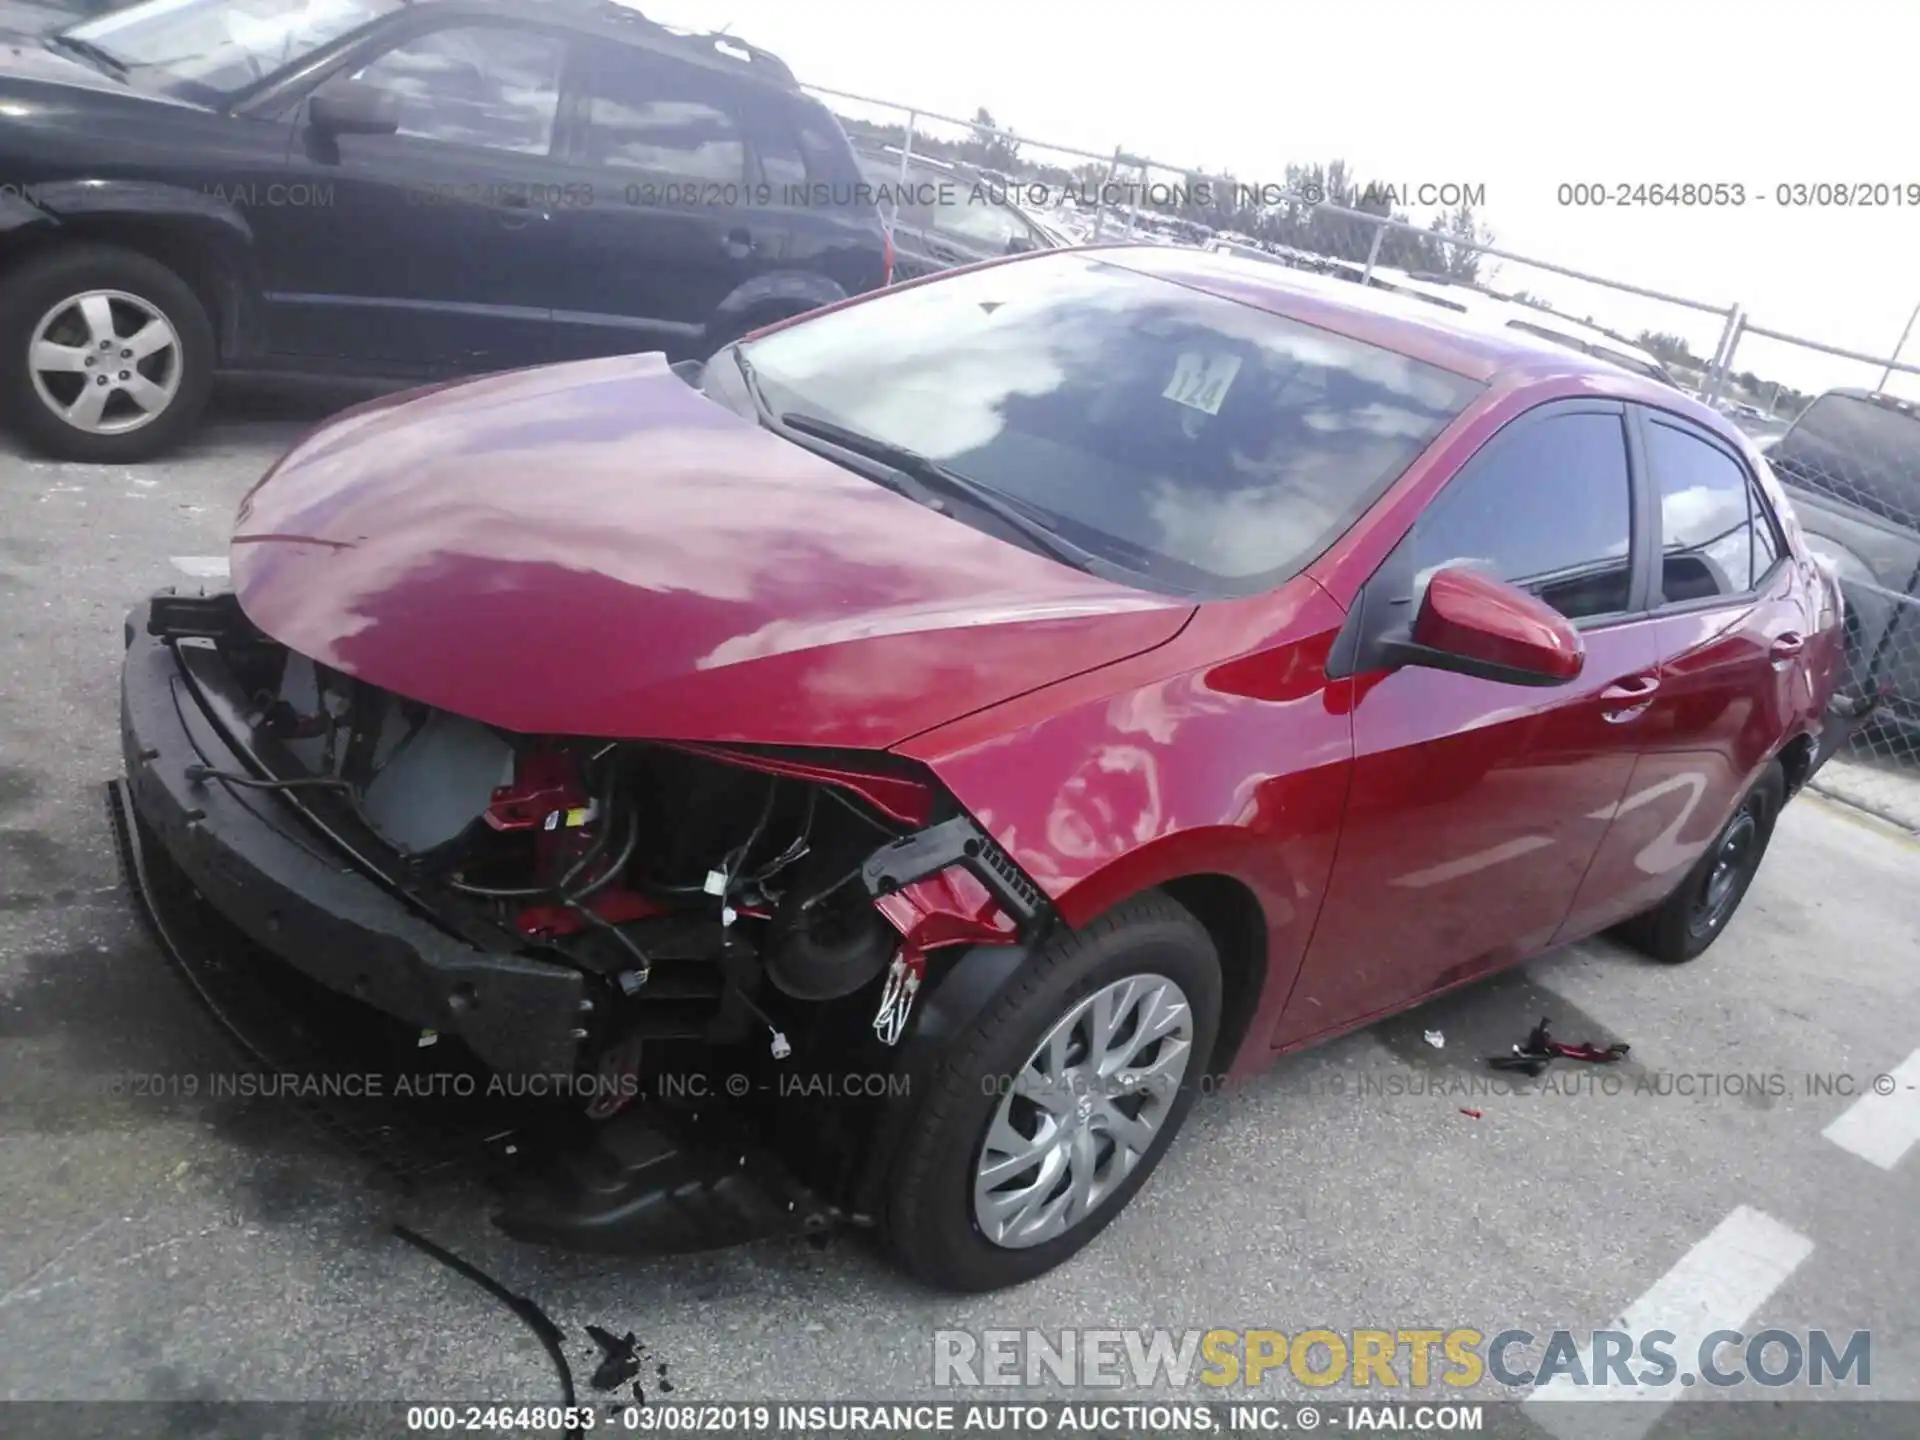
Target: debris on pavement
[
  {"x": 619, "y": 1359},
  {"x": 1470, "y": 1114},
  {"x": 1539, "y": 1050},
  {"x": 1436, "y": 1039}
]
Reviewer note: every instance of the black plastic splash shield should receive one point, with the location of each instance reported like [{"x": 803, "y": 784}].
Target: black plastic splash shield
[{"x": 648, "y": 1182}]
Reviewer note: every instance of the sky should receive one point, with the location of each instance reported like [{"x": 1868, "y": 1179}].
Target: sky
[{"x": 1520, "y": 98}]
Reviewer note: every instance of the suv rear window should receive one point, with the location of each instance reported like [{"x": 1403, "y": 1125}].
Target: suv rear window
[
  {"x": 1194, "y": 441},
  {"x": 1856, "y": 449}
]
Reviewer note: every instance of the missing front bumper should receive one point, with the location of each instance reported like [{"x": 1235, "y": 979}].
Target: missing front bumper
[{"x": 290, "y": 893}]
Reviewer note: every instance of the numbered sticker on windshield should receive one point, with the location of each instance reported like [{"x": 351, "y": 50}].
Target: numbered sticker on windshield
[{"x": 1200, "y": 381}]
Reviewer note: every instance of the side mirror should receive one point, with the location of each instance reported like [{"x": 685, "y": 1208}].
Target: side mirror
[
  {"x": 1473, "y": 624},
  {"x": 353, "y": 107}
]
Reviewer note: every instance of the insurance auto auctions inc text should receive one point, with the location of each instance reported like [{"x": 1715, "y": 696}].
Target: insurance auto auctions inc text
[{"x": 1455, "y": 1359}]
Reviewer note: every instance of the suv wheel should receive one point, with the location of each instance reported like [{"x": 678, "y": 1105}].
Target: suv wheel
[
  {"x": 105, "y": 355},
  {"x": 1682, "y": 926},
  {"x": 1059, "y": 1102}
]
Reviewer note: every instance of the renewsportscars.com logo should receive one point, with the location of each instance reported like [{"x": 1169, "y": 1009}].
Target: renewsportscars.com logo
[{"x": 1417, "y": 1359}]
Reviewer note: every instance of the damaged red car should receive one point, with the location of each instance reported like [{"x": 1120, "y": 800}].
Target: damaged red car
[{"x": 962, "y": 722}]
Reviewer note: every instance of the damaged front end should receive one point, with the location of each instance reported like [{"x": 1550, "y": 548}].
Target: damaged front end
[{"x": 709, "y": 956}]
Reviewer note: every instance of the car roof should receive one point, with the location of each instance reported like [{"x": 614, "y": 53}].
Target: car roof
[
  {"x": 1512, "y": 312},
  {"x": 618, "y": 21},
  {"x": 1411, "y": 327}
]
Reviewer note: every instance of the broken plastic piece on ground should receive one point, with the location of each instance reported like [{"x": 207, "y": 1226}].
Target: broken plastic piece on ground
[
  {"x": 1540, "y": 1050},
  {"x": 1436, "y": 1039},
  {"x": 619, "y": 1360},
  {"x": 1471, "y": 1114}
]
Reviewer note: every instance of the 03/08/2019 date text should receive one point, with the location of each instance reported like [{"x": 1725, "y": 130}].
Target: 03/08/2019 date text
[{"x": 1734, "y": 195}]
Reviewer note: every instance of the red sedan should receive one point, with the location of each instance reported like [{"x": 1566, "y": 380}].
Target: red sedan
[{"x": 1039, "y": 688}]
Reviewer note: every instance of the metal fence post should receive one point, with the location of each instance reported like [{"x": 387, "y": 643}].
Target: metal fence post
[
  {"x": 1133, "y": 210},
  {"x": 1723, "y": 354},
  {"x": 1100, "y": 201},
  {"x": 906, "y": 146},
  {"x": 1901, "y": 344},
  {"x": 1373, "y": 253}
]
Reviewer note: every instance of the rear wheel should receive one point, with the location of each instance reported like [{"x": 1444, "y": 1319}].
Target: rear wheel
[
  {"x": 106, "y": 355},
  {"x": 1682, "y": 926},
  {"x": 1059, "y": 1103}
]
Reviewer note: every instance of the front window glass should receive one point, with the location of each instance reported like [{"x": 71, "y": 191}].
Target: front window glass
[
  {"x": 205, "y": 49},
  {"x": 1548, "y": 508},
  {"x": 1189, "y": 439}
]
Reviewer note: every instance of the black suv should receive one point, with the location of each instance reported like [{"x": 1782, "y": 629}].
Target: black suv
[{"x": 397, "y": 192}]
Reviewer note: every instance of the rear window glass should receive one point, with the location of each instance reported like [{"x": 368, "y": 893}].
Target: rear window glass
[
  {"x": 1192, "y": 440},
  {"x": 1858, "y": 450}
]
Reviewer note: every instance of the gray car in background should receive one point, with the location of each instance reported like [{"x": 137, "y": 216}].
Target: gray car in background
[{"x": 1851, "y": 463}]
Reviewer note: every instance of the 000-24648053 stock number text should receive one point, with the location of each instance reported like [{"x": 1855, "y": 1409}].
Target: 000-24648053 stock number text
[{"x": 1734, "y": 195}]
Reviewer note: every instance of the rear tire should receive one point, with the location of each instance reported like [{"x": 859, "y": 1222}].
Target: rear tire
[
  {"x": 106, "y": 355},
  {"x": 1689, "y": 920},
  {"x": 1145, "y": 965}
]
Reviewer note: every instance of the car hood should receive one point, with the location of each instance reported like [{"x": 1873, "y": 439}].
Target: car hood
[
  {"x": 40, "y": 84},
  {"x": 598, "y": 549}
]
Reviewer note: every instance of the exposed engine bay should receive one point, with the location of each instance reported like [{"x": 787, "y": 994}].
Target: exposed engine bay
[{"x": 712, "y": 896}]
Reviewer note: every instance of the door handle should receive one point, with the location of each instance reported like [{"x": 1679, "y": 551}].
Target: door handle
[
  {"x": 1785, "y": 646},
  {"x": 516, "y": 209},
  {"x": 1628, "y": 698}
]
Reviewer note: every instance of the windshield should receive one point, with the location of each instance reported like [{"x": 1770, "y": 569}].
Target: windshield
[
  {"x": 1858, "y": 450},
  {"x": 1201, "y": 444},
  {"x": 207, "y": 49}
]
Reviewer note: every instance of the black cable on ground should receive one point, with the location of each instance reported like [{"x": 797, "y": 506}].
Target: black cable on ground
[{"x": 531, "y": 1315}]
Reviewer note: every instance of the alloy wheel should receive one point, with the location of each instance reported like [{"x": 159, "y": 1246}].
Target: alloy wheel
[
  {"x": 105, "y": 361},
  {"x": 1733, "y": 859},
  {"x": 1084, "y": 1110}
]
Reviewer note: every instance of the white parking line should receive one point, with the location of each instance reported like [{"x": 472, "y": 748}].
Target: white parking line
[
  {"x": 1718, "y": 1285},
  {"x": 202, "y": 567},
  {"x": 1883, "y": 1124}
]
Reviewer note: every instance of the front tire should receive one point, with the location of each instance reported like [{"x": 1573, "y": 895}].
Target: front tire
[
  {"x": 1058, "y": 1103},
  {"x": 106, "y": 355},
  {"x": 1689, "y": 920}
]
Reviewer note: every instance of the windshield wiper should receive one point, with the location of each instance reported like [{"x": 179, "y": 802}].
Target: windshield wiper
[
  {"x": 102, "y": 58},
  {"x": 891, "y": 476},
  {"x": 931, "y": 474}
]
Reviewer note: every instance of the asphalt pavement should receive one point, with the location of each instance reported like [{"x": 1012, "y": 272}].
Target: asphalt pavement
[{"x": 165, "y": 1245}]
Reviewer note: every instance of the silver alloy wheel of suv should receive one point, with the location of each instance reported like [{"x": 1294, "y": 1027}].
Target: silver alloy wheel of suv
[{"x": 105, "y": 361}]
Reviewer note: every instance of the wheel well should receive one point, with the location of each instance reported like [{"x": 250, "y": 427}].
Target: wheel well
[
  {"x": 1796, "y": 761},
  {"x": 1238, "y": 927},
  {"x": 183, "y": 252}
]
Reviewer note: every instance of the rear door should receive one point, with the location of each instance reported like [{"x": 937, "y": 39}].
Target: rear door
[
  {"x": 437, "y": 250},
  {"x": 1732, "y": 632},
  {"x": 1476, "y": 807},
  {"x": 677, "y": 220}
]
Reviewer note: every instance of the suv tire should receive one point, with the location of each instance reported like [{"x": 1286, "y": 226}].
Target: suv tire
[{"x": 106, "y": 355}]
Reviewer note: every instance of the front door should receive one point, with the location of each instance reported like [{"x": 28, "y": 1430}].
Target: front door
[
  {"x": 439, "y": 247},
  {"x": 1477, "y": 806}
]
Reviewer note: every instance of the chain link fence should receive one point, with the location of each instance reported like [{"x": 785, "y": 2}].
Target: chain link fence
[{"x": 1848, "y": 454}]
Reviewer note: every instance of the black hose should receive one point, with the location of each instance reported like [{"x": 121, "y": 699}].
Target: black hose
[
  {"x": 531, "y": 1315},
  {"x": 199, "y": 774},
  {"x": 588, "y": 856}
]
